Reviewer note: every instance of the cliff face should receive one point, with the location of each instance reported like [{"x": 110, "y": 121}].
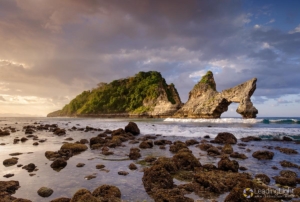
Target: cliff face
[
  {"x": 205, "y": 102},
  {"x": 145, "y": 94}
]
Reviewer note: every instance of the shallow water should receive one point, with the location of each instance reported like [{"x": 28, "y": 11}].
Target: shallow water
[{"x": 70, "y": 179}]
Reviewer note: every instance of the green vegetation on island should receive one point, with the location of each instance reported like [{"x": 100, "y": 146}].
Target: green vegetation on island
[{"x": 134, "y": 95}]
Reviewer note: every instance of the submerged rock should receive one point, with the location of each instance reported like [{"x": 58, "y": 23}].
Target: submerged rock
[
  {"x": 263, "y": 155},
  {"x": 177, "y": 145},
  {"x": 226, "y": 164},
  {"x": 58, "y": 164},
  {"x": 134, "y": 153}
]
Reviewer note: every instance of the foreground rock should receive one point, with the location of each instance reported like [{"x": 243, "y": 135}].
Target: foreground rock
[
  {"x": 10, "y": 162},
  {"x": 263, "y": 155},
  {"x": 45, "y": 192},
  {"x": 205, "y": 102},
  {"x": 225, "y": 138},
  {"x": 132, "y": 128}
]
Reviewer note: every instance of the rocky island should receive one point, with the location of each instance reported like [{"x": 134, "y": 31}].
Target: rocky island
[{"x": 148, "y": 95}]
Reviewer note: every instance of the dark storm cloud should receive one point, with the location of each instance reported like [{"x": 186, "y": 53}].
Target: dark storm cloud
[{"x": 56, "y": 49}]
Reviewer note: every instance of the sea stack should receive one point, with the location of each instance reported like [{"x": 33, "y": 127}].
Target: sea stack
[{"x": 205, "y": 102}]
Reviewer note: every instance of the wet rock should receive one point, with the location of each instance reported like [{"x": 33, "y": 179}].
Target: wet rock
[
  {"x": 264, "y": 178},
  {"x": 286, "y": 138},
  {"x": 250, "y": 138},
  {"x": 59, "y": 132},
  {"x": 238, "y": 155},
  {"x": 162, "y": 147},
  {"x": 243, "y": 168},
  {"x": 204, "y": 146},
  {"x": 97, "y": 140},
  {"x": 225, "y": 138},
  {"x": 206, "y": 136},
  {"x": 83, "y": 195},
  {"x": 263, "y": 155},
  {"x": 61, "y": 199},
  {"x": 58, "y": 164},
  {"x": 167, "y": 163},
  {"x": 150, "y": 159},
  {"x": 52, "y": 155},
  {"x": 185, "y": 160},
  {"x": 132, "y": 128},
  {"x": 100, "y": 166},
  {"x": 297, "y": 191},
  {"x": 274, "y": 168},
  {"x": 288, "y": 164},
  {"x": 10, "y": 162},
  {"x": 8, "y": 188},
  {"x": 218, "y": 181},
  {"x": 74, "y": 147},
  {"x": 84, "y": 141},
  {"x": 45, "y": 192},
  {"x": 209, "y": 167},
  {"x": 16, "y": 140},
  {"x": 226, "y": 164},
  {"x": 227, "y": 149},
  {"x": 15, "y": 154},
  {"x": 106, "y": 152},
  {"x": 35, "y": 144},
  {"x": 157, "y": 177},
  {"x": 107, "y": 193},
  {"x": 24, "y": 139},
  {"x": 69, "y": 139},
  {"x": 285, "y": 181},
  {"x": 237, "y": 193},
  {"x": 123, "y": 173},
  {"x": 161, "y": 195},
  {"x": 134, "y": 153},
  {"x": 213, "y": 151},
  {"x": 89, "y": 177},
  {"x": 176, "y": 146},
  {"x": 134, "y": 142},
  {"x": 4, "y": 133},
  {"x": 162, "y": 142},
  {"x": 132, "y": 166},
  {"x": 79, "y": 165},
  {"x": 30, "y": 167},
  {"x": 191, "y": 142},
  {"x": 146, "y": 144},
  {"x": 288, "y": 174},
  {"x": 286, "y": 150},
  {"x": 8, "y": 175}
]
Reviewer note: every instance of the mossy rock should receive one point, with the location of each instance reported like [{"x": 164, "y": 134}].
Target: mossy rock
[
  {"x": 74, "y": 147},
  {"x": 185, "y": 160}
]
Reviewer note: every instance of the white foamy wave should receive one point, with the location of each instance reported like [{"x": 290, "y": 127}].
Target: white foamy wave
[{"x": 221, "y": 120}]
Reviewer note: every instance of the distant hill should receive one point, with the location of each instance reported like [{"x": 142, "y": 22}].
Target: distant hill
[{"x": 145, "y": 94}]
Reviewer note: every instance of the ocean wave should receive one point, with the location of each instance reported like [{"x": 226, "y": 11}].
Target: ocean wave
[
  {"x": 221, "y": 120},
  {"x": 282, "y": 121}
]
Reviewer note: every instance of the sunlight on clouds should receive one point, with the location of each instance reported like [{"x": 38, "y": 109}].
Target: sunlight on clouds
[
  {"x": 198, "y": 74},
  {"x": 4, "y": 63},
  {"x": 296, "y": 30}
]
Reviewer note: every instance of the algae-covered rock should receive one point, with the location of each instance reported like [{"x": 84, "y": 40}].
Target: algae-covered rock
[
  {"x": 225, "y": 138},
  {"x": 45, "y": 192},
  {"x": 226, "y": 164},
  {"x": 10, "y": 161},
  {"x": 264, "y": 178},
  {"x": 163, "y": 195},
  {"x": 134, "y": 153},
  {"x": 227, "y": 149},
  {"x": 107, "y": 193},
  {"x": 167, "y": 163},
  {"x": 238, "y": 155},
  {"x": 177, "y": 145},
  {"x": 263, "y": 155},
  {"x": 157, "y": 177},
  {"x": 185, "y": 160},
  {"x": 74, "y": 147}
]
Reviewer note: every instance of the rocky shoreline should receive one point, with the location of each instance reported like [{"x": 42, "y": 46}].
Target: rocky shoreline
[{"x": 166, "y": 168}]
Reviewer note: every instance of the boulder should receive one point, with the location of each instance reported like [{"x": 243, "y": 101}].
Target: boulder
[
  {"x": 157, "y": 177},
  {"x": 10, "y": 161},
  {"x": 226, "y": 164},
  {"x": 132, "y": 128},
  {"x": 263, "y": 155},
  {"x": 45, "y": 192},
  {"x": 58, "y": 164},
  {"x": 225, "y": 138},
  {"x": 74, "y": 147},
  {"x": 132, "y": 166},
  {"x": 185, "y": 160},
  {"x": 134, "y": 153}
]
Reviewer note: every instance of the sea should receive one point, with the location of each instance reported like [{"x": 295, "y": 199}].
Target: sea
[{"x": 66, "y": 182}]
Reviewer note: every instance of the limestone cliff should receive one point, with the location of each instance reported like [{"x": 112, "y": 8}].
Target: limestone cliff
[
  {"x": 205, "y": 102},
  {"x": 145, "y": 94}
]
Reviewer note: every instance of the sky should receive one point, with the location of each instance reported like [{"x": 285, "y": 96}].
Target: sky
[{"x": 50, "y": 51}]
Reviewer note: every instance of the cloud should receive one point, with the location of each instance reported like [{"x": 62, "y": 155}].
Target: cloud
[
  {"x": 296, "y": 30},
  {"x": 2, "y": 98},
  {"x": 51, "y": 51}
]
